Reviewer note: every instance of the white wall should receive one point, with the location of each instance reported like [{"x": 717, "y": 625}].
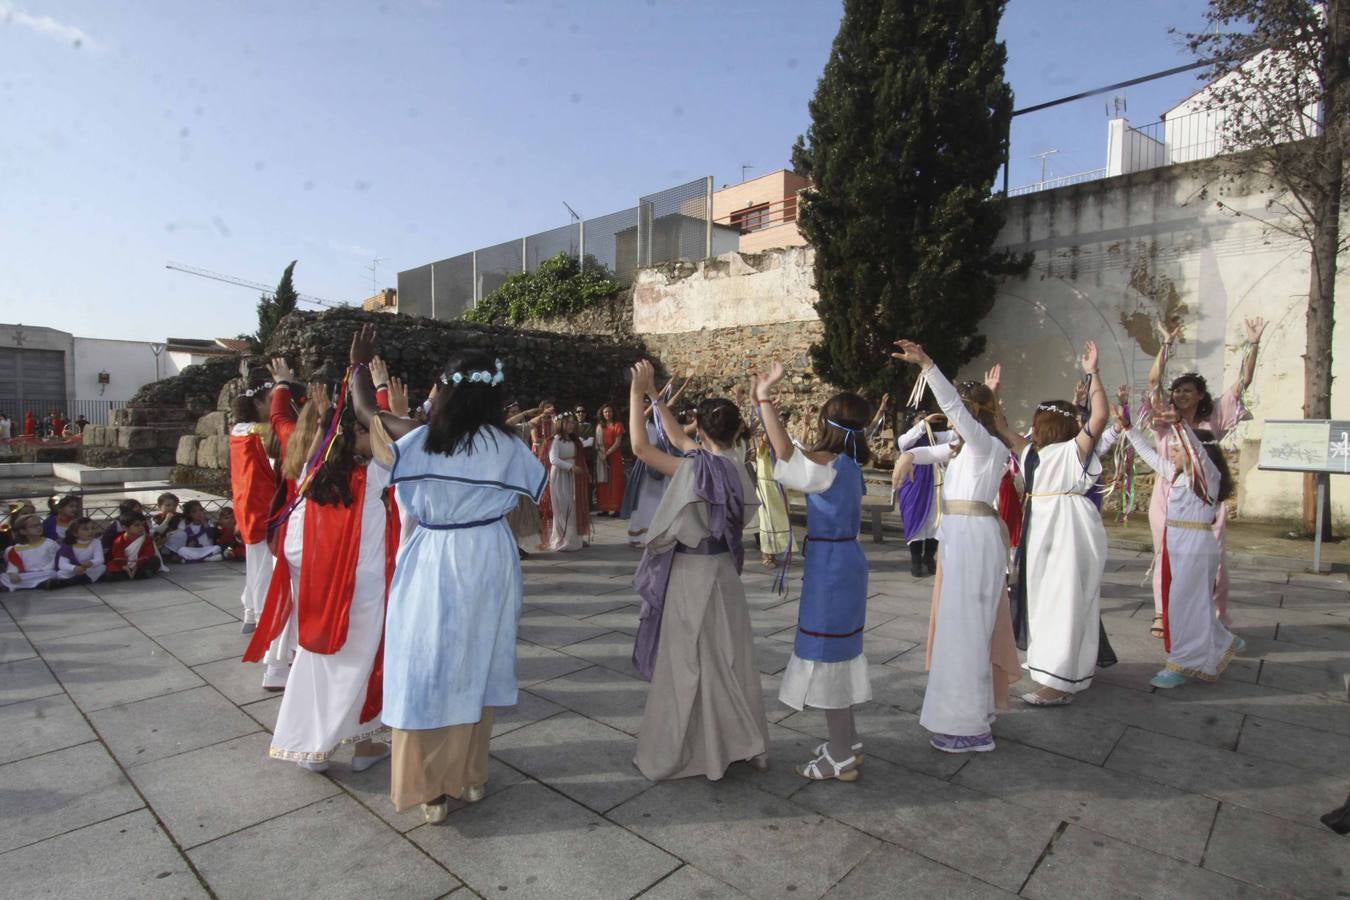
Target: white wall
[
  {"x": 130, "y": 364},
  {"x": 725, "y": 292}
]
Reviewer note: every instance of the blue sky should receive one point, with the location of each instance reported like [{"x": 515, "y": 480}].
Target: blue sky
[{"x": 238, "y": 136}]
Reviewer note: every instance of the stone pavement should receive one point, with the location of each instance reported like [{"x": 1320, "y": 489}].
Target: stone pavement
[{"x": 133, "y": 762}]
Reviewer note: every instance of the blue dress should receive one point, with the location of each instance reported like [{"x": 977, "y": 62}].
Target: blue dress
[
  {"x": 450, "y": 636},
  {"x": 833, "y": 609}
]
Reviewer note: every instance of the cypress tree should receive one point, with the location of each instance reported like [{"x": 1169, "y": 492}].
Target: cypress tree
[
  {"x": 273, "y": 308},
  {"x": 909, "y": 126}
]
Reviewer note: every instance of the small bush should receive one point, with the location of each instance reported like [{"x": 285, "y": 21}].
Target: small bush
[{"x": 559, "y": 287}]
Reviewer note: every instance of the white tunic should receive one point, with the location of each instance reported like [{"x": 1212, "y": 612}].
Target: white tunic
[
  {"x": 325, "y": 692},
  {"x": 91, "y": 553},
  {"x": 30, "y": 565},
  {"x": 564, "y": 534},
  {"x": 959, "y": 699},
  {"x": 1065, "y": 559},
  {"x": 906, "y": 443},
  {"x": 1201, "y": 646}
]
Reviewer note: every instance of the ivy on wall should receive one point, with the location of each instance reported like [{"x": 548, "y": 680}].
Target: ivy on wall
[{"x": 560, "y": 287}]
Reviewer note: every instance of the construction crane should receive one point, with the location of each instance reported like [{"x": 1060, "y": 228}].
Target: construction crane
[{"x": 244, "y": 282}]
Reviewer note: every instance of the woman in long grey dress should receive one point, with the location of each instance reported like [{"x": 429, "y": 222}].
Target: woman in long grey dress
[{"x": 705, "y": 707}]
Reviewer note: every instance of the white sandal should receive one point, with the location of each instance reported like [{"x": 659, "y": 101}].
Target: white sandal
[
  {"x": 856, "y": 748},
  {"x": 824, "y": 768}
]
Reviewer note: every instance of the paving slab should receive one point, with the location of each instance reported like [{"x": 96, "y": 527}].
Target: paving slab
[
  {"x": 1071, "y": 731},
  {"x": 205, "y": 794},
  {"x": 61, "y": 791},
  {"x": 265, "y": 712},
  {"x": 26, "y": 679},
  {"x": 688, "y": 883},
  {"x": 536, "y": 664},
  {"x": 613, "y": 651},
  {"x": 532, "y": 842},
  {"x": 334, "y": 847},
  {"x": 529, "y": 708},
  {"x": 42, "y": 627},
  {"x": 13, "y": 645},
  {"x": 981, "y": 835},
  {"x": 1129, "y": 808},
  {"x": 596, "y": 769},
  {"x": 371, "y": 789},
  {"x": 1085, "y": 865},
  {"x": 241, "y": 682},
  {"x": 1324, "y": 677},
  {"x": 100, "y": 684},
  {"x": 147, "y": 730},
  {"x": 1277, "y": 788},
  {"x": 126, "y": 856},
  {"x": 759, "y": 844},
  {"x": 144, "y": 595},
  {"x": 787, "y": 749},
  {"x": 1295, "y": 745},
  {"x": 1200, "y": 722},
  {"x": 552, "y": 630},
  {"x": 1228, "y": 699},
  {"x": 601, "y": 694},
  {"x": 204, "y": 645},
  {"x": 894, "y": 872},
  {"x": 180, "y": 617},
  {"x": 1303, "y": 860},
  {"x": 39, "y": 726},
  {"x": 623, "y": 620}
]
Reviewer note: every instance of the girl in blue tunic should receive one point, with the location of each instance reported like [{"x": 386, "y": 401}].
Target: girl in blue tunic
[
  {"x": 827, "y": 670},
  {"x": 455, "y": 597}
]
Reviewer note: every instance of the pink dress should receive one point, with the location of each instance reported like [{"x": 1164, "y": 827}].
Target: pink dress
[{"x": 1228, "y": 412}]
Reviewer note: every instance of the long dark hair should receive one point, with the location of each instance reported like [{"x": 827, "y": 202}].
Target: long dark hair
[
  {"x": 1215, "y": 454},
  {"x": 460, "y": 411},
  {"x": 332, "y": 483},
  {"x": 843, "y": 427},
  {"x": 73, "y": 530},
  {"x": 1204, "y": 408},
  {"x": 720, "y": 420}
]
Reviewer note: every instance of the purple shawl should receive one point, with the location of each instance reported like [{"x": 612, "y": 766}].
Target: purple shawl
[
  {"x": 717, "y": 483},
  {"x": 916, "y": 497}
]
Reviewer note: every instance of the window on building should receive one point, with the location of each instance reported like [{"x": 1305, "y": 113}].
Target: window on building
[{"x": 752, "y": 218}]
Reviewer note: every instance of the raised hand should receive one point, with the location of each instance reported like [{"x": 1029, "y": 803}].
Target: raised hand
[
  {"x": 644, "y": 374},
  {"x": 1168, "y": 416},
  {"x": 911, "y": 352},
  {"x": 994, "y": 377},
  {"x": 317, "y": 392},
  {"x": 398, "y": 397},
  {"x": 765, "y": 381},
  {"x": 1123, "y": 394},
  {"x": 1119, "y": 414},
  {"x": 903, "y": 471},
  {"x": 379, "y": 372},
  {"x": 280, "y": 370},
  {"x": 1255, "y": 328},
  {"x": 1167, "y": 334},
  {"x": 1079, "y": 394},
  {"x": 885, "y": 398},
  {"x": 1089, "y": 358},
  {"x": 363, "y": 345}
]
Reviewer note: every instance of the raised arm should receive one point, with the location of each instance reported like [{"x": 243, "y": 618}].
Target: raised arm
[
  {"x": 1099, "y": 409},
  {"x": 762, "y": 388},
  {"x": 1159, "y": 367},
  {"x": 363, "y": 387},
  {"x": 976, "y": 438},
  {"x": 669, "y": 424},
  {"x": 643, "y": 386},
  {"x": 879, "y": 418},
  {"x": 1148, "y": 453},
  {"x": 1255, "y": 329}
]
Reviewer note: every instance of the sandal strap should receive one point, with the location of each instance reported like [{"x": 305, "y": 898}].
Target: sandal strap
[{"x": 815, "y": 771}]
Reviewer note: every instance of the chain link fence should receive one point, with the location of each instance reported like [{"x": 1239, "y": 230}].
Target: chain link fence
[{"x": 673, "y": 224}]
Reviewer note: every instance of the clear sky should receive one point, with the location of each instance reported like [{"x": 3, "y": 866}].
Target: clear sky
[{"x": 236, "y": 136}]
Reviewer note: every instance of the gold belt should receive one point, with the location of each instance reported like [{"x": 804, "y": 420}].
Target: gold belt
[
  {"x": 1058, "y": 494},
  {"x": 968, "y": 508},
  {"x": 1192, "y": 526}
]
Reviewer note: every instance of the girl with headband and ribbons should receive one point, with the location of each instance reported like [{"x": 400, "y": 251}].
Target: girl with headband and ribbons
[
  {"x": 1062, "y": 554},
  {"x": 456, "y": 594},
  {"x": 827, "y": 669},
  {"x": 252, "y": 485},
  {"x": 1197, "y": 643},
  {"x": 970, "y": 622},
  {"x": 1188, "y": 397}
]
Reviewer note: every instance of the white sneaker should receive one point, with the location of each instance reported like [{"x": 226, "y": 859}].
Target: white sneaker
[{"x": 274, "y": 677}]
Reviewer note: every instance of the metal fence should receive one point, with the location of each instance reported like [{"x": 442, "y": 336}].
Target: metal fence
[
  {"x": 97, "y": 411},
  {"x": 672, "y": 224}
]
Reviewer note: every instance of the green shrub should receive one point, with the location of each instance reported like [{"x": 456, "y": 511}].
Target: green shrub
[{"x": 559, "y": 287}]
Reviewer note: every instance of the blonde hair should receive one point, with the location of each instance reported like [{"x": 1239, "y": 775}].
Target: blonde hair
[{"x": 297, "y": 448}]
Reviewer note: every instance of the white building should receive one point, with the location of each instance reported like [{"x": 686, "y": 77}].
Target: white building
[{"x": 43, "y": 369}]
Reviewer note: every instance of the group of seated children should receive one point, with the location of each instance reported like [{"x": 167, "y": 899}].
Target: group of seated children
[{"x": 67, "y": 547}]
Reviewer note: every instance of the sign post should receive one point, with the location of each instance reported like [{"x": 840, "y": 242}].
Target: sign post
[{"x": 1320, "y": 447}]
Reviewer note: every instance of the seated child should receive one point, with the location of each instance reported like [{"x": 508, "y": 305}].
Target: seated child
[
  {"x": 80, "y": 557},
  {"x": 125, "y": 508},
  {"x": 166, "y": 524},
  {"x": 199, "y": 535},
  {"x": 227, "y": 535},
  {"x": 15, "y": 510},
  {"x": 64, "y": 510},
  {"x": 133, "y": 551},
  {"x": 31, "y": 561}
]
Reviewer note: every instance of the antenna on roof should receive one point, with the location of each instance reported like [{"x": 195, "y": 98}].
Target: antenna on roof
[{"x": 1117, "y": 106}]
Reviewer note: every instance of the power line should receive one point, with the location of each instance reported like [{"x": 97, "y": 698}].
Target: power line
[{"x": 256, "y": 285}]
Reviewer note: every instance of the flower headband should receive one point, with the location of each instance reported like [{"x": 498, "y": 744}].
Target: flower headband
[
  {"x": 480, "y": 377},
  {"x": 1046, "y": 407},
  {"x": 260, "y": 389}
]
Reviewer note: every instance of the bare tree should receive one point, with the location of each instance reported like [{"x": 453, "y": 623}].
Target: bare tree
[{"x": 1280, "y": 95}]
